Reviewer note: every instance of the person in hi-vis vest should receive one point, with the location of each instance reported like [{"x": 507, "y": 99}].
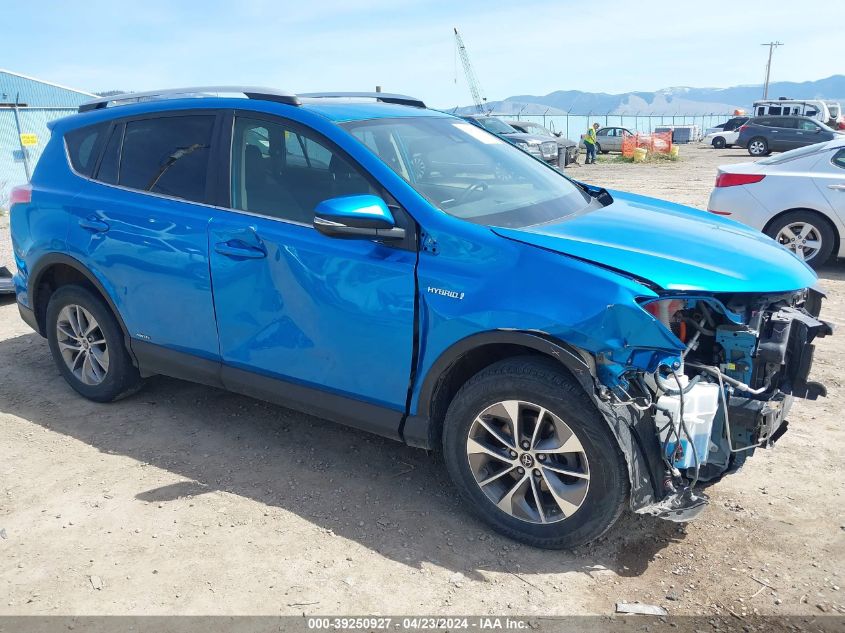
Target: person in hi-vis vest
[{"x": 590, "y": 142}]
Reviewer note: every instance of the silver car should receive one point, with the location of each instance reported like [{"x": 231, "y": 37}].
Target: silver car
[
  {"x": 797, "y": 198},
  {"x": 609, "y": 139}
]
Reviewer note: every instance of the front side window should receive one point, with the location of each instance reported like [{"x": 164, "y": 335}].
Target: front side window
[
  {"x": 808, "y": 126},
  {"x": 470, "y": 173},
  {"x": 281, "y": 171},
  {"x": 165, "y": 155}
]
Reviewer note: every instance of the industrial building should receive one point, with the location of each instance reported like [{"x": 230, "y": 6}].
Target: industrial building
[{"x": 27, "y": 105}]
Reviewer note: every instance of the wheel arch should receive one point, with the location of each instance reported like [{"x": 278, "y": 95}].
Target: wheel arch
[
  {"x": 633, "y": 431},
  {"x": 55, "y": 270},
  {"x": 837, "y": 238},
  {"x": 465, "y": 358}
]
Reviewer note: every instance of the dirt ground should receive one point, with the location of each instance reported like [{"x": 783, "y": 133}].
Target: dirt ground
[{"x": 188, "y": 500}]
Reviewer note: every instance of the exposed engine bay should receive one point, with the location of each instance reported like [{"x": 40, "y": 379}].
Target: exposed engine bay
[{"x": 728, "y": 393}]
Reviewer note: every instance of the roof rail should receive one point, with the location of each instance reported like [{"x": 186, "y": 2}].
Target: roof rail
[
  {"x": 251, "y": 92},
  {"x": 385, "y": 97}
]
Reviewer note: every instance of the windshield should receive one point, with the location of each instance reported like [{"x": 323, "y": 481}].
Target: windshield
[
  {"x": 495, "y": 125},
  {"x": 536, "y": 128},
  {"x": 469, "y": 173}
]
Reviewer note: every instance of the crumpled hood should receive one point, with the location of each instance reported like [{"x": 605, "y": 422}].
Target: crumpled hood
[{"x": 673, "y": 246}]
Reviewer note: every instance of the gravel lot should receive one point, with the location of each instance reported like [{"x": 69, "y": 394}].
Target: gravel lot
[{"x": 188, "y": 500}]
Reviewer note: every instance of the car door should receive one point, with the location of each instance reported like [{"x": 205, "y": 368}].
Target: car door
[
  {"x": 315, "y": 322},
  {"x": 613, "y": 142},
  {"x": 829, "y": 177},
  {"x": 783, "y": 135},
  {"x": 808, "y": 132},
  {"x": 140, "y": 224}
]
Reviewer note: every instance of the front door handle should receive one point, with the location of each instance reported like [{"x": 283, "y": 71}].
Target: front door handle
[
  {"x": 836, "y": 187},
  {"x": 237, "y": 249},
  {"x": 93, "y": 223}
]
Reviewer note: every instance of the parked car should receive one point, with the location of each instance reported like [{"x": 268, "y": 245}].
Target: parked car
[
  {"x": 570, "y": 351},
  {"x": 725, "y": 134},
  {"x": 567, "y": 149},
  {"x": 730, "y": 125},
  {"x": 797, "y": 198},
  {"x": 720, "y": 140},
  {"x": 542, "y": 147},
  {"x": 609, "y": 139},
  {"x": 763, "y": 135}
]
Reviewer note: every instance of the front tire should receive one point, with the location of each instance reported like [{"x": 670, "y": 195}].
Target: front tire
[
  {"x": 758, "y": 146},
  {"x": 532, "y": 456},
  {"x": 88, "y": 345}
]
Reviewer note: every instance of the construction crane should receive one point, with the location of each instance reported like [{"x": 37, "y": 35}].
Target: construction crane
[{"x": 474, "y": 87}]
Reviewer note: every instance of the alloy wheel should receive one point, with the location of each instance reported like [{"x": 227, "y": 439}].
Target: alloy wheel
[
  {"x": 82, "y": 344},
  {"x": 528, "y": 462},
  {"x": 757, "y": 148},
  {"x": 801, "y": 238}
]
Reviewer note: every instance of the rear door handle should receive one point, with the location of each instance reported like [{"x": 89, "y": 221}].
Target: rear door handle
[
  {"x": 237, "y": 249},
  {"x": 837, "y": 187},
  {"x": 94, "y": 224}
]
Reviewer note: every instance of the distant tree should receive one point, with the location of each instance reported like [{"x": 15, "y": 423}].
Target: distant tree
[{"x": 111, "y": 93}]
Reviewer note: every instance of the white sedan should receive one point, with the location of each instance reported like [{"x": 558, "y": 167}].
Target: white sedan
[
  {"x": 797, "y": 198},
  {"x": 719, "y": 138}
]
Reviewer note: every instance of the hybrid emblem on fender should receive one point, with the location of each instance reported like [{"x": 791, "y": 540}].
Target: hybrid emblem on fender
[{"x": 446, "y": 293}]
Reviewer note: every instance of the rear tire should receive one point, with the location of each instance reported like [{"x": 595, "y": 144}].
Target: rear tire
[
  {"x": 540, "y": 506},
  {"x": 758, "y": 146},
  {"x": 806, "y": 233},
  {"x": 718, "y": 143},
  {"x": 88, "y": 345}
]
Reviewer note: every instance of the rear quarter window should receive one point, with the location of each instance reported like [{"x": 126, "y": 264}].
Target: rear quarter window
[{"x": 83, "y": 147}]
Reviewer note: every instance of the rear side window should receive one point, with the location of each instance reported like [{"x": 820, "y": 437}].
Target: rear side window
[
  {"x": 167, "y": 155},
  {"x": 839, "y": 159},
  {"x": 82, "y": 147}
]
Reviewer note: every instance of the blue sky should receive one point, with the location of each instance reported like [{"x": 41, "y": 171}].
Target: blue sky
[{"x": 528, "y": 47}]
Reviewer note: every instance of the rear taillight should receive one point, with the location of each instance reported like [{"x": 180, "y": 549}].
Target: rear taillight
[
  {"x": 732, "y": 180},
  {"x": 742, "y": 127},
  {"x": 20, "y": 195},
  {"x": 713, "y": 211}
]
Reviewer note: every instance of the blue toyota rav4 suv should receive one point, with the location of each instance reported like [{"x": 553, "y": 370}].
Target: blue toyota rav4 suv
[{"x": 571, "y": 351}]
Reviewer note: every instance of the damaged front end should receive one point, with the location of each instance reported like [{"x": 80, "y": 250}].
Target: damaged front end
[{"x": 699, "y": 412}]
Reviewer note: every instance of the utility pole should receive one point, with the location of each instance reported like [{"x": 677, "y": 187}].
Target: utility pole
[{"x": 772, "y": 46}]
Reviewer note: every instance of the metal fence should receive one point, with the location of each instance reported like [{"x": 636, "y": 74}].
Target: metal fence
[
  {"x": 17, "y": 160},
  {"x": 574, "y": 125}
]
